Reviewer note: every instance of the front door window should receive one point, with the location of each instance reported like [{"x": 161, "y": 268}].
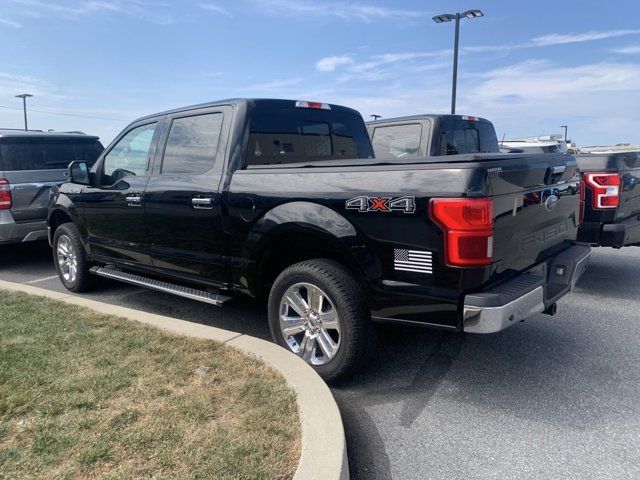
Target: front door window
[{"x": 129, "y": 156}]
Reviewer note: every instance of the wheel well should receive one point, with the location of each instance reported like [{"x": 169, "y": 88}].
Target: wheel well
[
  {"x": 286, "y": 250},
  {"x": 56, "y": 219}
]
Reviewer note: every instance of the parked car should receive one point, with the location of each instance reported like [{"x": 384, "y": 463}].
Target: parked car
[
  {"x": 284, "y": 199},
  {"x": 612, "y": 199},
  {"x": 432, "y": 135},
  {"x": 30, "y": 163}
]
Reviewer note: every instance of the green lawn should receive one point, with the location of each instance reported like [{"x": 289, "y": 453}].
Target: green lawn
[{"x": 85, "y": 395}]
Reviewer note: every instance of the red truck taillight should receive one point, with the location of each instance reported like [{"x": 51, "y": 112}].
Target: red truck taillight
[
  {"x": 583, "y": 197},
  {"x": 5, "y": 195},
  {"x": 467, "y": 224},
  {"x": 605, "y": 189}
]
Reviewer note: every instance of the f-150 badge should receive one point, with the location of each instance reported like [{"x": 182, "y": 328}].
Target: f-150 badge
[{"x": 382, "y": 204}]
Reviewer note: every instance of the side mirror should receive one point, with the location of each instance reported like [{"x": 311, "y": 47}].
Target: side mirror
[{"x": 78, "y": 172}]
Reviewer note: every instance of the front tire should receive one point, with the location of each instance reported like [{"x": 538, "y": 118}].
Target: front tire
[
  {"x": 70, "y": 259},
  {"x": 317, "y": 310}
]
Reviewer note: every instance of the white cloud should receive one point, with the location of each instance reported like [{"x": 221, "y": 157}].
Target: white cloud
[
  {"x": 629, "y": 50},
  {"x": 526, "y": 98},
  {"x": 338, "y": 9},
  {"x": 379, "y": 67},
  {"x": 562, "y": 38},
  {"x": 276, "y": 85},
  {"x": 540, "y": 79},
  {"x": 142, "y": 9},
  {"x": 329, "y": 64},
  {"x": 11, "y": 84},
  {"x": 9, "y": 23},
  {"x": 212, "y": 7}
]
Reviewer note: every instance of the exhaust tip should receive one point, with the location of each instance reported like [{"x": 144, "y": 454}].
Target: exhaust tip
[{"x": 551, "y": 310}]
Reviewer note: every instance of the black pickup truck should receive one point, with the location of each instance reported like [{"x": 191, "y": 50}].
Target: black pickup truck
[
  {"x": 612, "y": 199},
  {"x": 284, "y": 199}
]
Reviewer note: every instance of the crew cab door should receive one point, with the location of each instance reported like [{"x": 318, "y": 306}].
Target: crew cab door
[
  {"x": 114, "y": 208},
  {"x": 183, "y": 199}
]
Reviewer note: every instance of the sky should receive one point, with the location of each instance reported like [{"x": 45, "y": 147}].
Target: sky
[{"x": 528, "y": 66}]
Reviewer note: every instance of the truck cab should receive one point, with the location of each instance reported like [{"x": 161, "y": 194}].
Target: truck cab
[{"x": 432, "y": 135}]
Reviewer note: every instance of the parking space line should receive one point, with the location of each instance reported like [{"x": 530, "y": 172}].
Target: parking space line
[{"x": 38, "y": 280}]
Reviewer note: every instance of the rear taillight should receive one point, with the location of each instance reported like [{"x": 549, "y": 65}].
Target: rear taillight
[
  {"x": 605, "y": 189},
  {"x": 467, "y": 224},
  {"x": 5, "y": 195},
  {"x": 582, "y": 202}
]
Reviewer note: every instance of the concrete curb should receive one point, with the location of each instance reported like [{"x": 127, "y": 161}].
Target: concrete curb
[{"x": 323, "y": 450}]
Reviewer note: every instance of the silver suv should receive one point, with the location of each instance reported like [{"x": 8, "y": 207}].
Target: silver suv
[{"x": 30, "y": 163}]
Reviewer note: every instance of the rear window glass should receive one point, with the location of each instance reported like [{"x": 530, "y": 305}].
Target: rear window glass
[
  {"x": 457, "y": 136},
  {"x": 397, "y": 140},
  {"x": 290, "y": 135},
  {"x": 40, "y": 154}
]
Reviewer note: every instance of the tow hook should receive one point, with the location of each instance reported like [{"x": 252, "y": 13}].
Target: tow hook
[{"x": 551, "y": 310}]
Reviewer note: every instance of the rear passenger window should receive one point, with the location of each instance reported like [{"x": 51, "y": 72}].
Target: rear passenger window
[
  {"x": 397, "y": 140},
  {"x": 192, "y": 144}
]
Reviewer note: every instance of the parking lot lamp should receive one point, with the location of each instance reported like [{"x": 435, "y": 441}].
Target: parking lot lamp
[
  {"x": 24, "y": 97},
  {"x": 445, "y": 18}
]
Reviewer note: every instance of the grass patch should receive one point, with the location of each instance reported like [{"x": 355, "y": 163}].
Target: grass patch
[{"x": 86, "y": 395}]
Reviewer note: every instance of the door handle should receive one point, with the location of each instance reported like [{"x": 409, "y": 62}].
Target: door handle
[
  {"x": 202, "y": 203},
  {"x": 134, "y": 200}
]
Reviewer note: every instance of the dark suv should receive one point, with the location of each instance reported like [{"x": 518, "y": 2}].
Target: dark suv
[{"x": 30, "y": 163}]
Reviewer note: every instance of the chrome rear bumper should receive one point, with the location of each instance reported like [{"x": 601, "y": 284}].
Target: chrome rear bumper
[{"x": 530, "y": 293}]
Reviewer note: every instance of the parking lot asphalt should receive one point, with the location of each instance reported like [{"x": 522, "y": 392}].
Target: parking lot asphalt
[{"x": 553, "y": 397}]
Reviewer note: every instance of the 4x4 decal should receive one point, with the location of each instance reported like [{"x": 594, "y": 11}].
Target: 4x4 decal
[{"x": 382, "y": 204}]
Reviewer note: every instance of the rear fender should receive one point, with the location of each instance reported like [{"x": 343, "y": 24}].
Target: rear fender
[{"x": 292, "y": 219}]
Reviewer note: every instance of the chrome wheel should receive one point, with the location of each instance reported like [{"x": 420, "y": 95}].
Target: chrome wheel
[
  {"x": 67, "y": 260},
  {"x": 309, "y": 323}
]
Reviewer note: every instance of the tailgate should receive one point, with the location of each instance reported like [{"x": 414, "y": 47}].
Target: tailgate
[
  {"x": 30, "y": 192},
  {"x": 629, "y": 168},
  {"x": 536, "y": 208}
]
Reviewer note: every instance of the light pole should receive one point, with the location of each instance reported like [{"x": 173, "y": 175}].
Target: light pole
[
  {"x": 565, "y": 132},
  {"x": 24, "y": 97},
  {"x": 375, "y": 117},
  {"x": 447, "y": 17}
]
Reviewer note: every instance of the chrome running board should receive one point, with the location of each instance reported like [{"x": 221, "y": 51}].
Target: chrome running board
[{"x": 213, "y": 298}]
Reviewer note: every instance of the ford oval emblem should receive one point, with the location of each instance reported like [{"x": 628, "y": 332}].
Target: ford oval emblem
[{"x": 551, "y": 202}]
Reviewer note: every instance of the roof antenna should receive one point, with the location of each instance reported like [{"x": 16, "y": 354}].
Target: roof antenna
[{"x": 502, "y": 141}]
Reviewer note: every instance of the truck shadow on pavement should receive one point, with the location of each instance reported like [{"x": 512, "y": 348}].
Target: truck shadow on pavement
[{"x": 547, "y": 370}]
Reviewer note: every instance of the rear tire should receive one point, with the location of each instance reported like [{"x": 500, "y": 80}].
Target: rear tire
[
  {"x": 70, "y": 259},
  {"x": 334, "y": 334}
]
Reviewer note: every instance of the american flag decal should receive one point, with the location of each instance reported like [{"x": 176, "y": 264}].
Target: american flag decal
[{"x": 412, "y": 261}]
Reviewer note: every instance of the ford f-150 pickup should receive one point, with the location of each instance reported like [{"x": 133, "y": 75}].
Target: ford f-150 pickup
[
  {"x": 284, "y": 199},
  {"x": 612, "y": 199}
]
